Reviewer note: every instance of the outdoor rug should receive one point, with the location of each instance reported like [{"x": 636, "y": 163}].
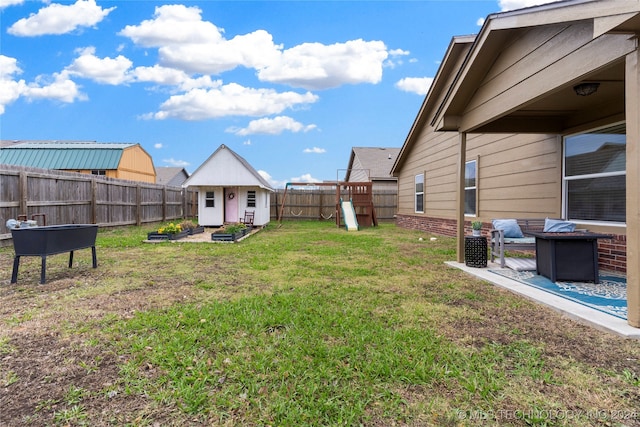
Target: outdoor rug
[{"x": 608, "y": 296}]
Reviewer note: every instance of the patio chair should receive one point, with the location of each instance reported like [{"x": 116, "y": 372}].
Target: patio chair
[
  {"x": 511, "y": 234},
  {"x": 248, "y": 218}
]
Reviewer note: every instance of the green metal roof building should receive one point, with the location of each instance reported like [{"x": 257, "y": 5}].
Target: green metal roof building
[{"x": 116, "y": 160}]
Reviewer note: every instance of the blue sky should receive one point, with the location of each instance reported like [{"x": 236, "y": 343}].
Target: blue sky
[{"x": 291, "y": 86}]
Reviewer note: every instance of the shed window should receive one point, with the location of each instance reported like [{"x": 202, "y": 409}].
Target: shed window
[
  {"x": 470, "y": 187},
  {"x": 595, "y": 175},
  {"x": 419, "y": 190},
  {"x": 99, "y": 172},
  {"x": 251, "y": 199},
  {"x": 210, "y": 199}
]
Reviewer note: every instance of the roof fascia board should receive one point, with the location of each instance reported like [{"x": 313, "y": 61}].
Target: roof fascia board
[
  {"x": 559, "y": 12},
  {"x": 606, "y": 24}
]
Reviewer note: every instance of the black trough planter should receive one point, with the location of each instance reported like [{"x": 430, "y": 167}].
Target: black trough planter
[
  {"x": 51, "y": 240},
  {"x": 162, "y": 236},
  {"x": 226, "y": 237}
]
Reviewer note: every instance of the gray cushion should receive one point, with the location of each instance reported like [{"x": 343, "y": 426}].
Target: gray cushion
[
  {"x": 558, "y": 226},
  {"x": 509, "y": 226}
]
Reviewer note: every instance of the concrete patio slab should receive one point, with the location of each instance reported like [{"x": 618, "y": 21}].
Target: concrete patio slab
[{"x": 570, "y": 309}]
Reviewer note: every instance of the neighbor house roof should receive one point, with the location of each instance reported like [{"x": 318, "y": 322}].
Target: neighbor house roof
[
  {"x": 376, "y": 162},
  {"x": 172, "y": 176},
  {"x": 63, "y": 154}
]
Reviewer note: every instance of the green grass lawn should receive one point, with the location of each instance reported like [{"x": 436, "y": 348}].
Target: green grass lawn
[{"x": 302, "y": 325}]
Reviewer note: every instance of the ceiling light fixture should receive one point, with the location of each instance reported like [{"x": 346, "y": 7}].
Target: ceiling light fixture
[{"x": 586, "y": 89}]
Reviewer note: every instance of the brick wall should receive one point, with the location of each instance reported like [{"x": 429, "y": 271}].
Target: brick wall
[{"x": 612, "y": 253}]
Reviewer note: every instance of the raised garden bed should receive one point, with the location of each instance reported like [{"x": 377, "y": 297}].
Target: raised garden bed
[
  {"x": 230, "y": 233},
  {"x": 167, "y": 236},
  {"x": 196, "y": 230}
]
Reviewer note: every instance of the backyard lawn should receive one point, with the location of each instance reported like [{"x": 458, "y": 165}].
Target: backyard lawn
[{"x": 299, "y": 325}]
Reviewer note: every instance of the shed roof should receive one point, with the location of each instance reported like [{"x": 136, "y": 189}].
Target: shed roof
[
  {"x": 63, "y": 154},
  {"x": 221, "y": 169}
]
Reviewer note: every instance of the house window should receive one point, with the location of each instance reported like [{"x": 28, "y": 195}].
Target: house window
[
  {"x": 420, "y": 193},
  {"x": 470, "y": 187},
  {"x": 99, "y": 172},
  {"x": 594, "y": 178},
  {"x": 210, "y": 199},
  {"x": 251, "y": 199}
]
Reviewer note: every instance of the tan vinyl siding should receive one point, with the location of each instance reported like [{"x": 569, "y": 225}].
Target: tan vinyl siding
[{"x": 521, "y": 181}]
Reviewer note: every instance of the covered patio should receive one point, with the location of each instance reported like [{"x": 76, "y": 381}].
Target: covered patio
[{"x": 536, "y": 70}]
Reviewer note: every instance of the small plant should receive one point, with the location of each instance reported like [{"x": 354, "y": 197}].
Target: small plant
[
  {"x": 170, "y": 228},
  {"x": 232, "y": 228},
  {"x": 188, "y": 225},
  {"x": 476, "y": 225}
]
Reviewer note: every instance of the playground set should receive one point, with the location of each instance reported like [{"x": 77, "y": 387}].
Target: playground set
[{"x": 353, "y": 203}]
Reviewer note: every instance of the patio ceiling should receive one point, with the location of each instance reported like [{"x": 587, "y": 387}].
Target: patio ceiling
[{"x": 563, "y": 110}]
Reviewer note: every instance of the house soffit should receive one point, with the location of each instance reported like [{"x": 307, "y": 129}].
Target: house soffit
[{"x": 559, "y": 108}]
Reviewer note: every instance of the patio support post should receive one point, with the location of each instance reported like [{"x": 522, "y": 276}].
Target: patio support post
[
  {"x": 462, "y": 158},
  {"x": 632, "y": 107}
]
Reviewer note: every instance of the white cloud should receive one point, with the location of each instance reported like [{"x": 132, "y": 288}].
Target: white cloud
[
  {"x": 113, "y": 71},
  {"x": 188, "y": 43},
  {"x": 57, "y": 87},
  {"x": 157, "y": 145},
  {"x": 519, "y": 4},
  {"x": 60, "y": 19},
  {"x": 247, "y": 142},
  {"x": 61, "y": 88},
  {"x": 229, "y": 100},
  {"x": 317, "y": 66},
  {"x": 393, "y": 62},
  {"x": 419, "y": 85},
  {"x": 304, "y": 178},
  {"x": 174, "y": 162},
  {"x": 273, "y": 182},
  {"x": 173, "y": 25},
  {"x": 274, "y": 126},
  {"x": 10, "y": 90},
  {"x": 480, "y": 22},
  {"x": 7, "y": 3},
  {"x": 315, "y": 150}
]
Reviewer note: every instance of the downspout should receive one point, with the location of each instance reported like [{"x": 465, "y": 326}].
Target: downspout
[{"x": 462, "y": 159}]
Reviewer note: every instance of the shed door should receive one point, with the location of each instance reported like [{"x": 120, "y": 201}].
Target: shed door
[{"x": 231, "y": 204}]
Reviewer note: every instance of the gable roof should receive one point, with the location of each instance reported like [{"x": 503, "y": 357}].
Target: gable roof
[
  {"x": 172, "y": 176},
  {"x": 225, "y": 167},
  {"x": 469, "y": 58},
  {"x": 545, "y": 101},
  {"x": 63, "y": 154},
  {"x": 377, "y": 161}
]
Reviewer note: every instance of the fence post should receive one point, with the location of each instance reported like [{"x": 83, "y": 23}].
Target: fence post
[
  {"x": 23, "y": 193},
  {"x": 138, "y": 205},
  {"x": 94, "y": 201},
  {"x": 164, "y": 203}
]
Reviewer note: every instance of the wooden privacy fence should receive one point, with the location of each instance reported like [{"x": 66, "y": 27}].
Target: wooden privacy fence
[
  {"x": 74, "y": 198},
  {"x": 321, "y": 204}
]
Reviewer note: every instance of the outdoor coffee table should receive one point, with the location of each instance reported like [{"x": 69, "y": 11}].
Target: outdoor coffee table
[{"x": 568, "y": 256}]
